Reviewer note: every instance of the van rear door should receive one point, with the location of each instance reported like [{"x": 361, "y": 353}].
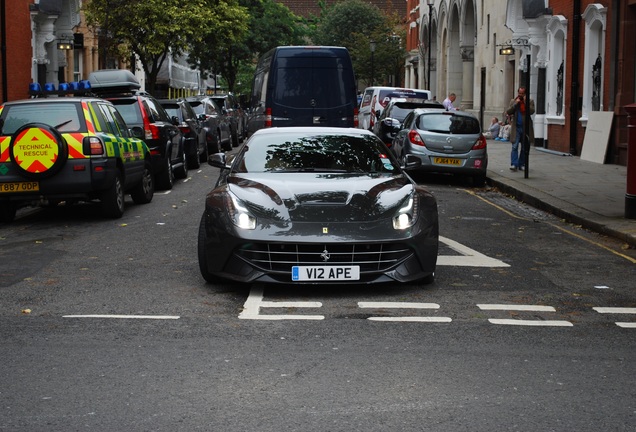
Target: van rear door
[{"x": 313, "y": 87}]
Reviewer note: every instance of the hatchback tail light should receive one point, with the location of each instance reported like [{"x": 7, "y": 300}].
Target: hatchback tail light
[
  {"x": 415, "y": 138},
  {"x": 92, "y": 146},
  {"x": 480, "y": 143},
  {"x": 151, "y": 131},
  {"x": 268, "y": 117}
]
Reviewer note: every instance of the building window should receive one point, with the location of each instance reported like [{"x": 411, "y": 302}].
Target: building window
[
  {"x": 556, "y": 73},
  {"x": 594, "y": 17}
]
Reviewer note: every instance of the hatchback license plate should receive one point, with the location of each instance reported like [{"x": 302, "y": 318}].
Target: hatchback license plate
[
  {"x": 325, "y": 273},
  {"x": 19, "y": 187},
  {"x": 447, "y": 161}
]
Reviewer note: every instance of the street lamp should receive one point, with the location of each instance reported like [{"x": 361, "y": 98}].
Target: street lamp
[
  {"x": 430, "y": 45},
  {"x": 372, "y": 48}
]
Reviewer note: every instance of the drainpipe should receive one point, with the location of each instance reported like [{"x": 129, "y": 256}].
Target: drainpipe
[
  {"x": 3, "y": 36},
  {"x": 574, "y": 95}
]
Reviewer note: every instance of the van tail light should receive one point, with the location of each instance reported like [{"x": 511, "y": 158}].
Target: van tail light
[
  {"x": 268, "y": 117},
  {"x": 356, "y": 111},
  {"x": 151, "y": 131},
  {"x": 480, "y": 143},
  {"x": 92, "y": 146},
  {"x": 184, "y": 128},
  {"x": 415, "y": 138}
]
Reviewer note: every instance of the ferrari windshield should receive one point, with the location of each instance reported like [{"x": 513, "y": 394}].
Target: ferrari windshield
[{"x": 300, "y": 152}]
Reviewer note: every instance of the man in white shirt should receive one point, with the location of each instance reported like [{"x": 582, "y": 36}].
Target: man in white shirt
[{"x": 448, "y": 102}]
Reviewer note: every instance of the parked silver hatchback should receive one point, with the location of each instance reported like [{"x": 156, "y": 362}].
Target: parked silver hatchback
[{"x": 445, "y": 141}]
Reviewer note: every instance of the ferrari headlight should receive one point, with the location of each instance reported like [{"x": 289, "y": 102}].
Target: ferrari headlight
[
  {"x": 407, "y": 215},
  {"x": 239, "y": 214}
]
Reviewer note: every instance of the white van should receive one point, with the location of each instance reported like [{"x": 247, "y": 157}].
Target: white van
[{"x": 376, "y": 98}]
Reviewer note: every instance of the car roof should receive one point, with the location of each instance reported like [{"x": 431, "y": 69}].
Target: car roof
[
  {"x": 313, "y": 130},
  {"x": 437, "y": 111},
  {"x": 54, "y": 100}
]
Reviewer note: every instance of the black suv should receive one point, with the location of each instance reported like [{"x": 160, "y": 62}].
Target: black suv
[
  {"x": 216, "y": 124},
  {"x": 145, "y": 115},
  {"x": 194, "y": 134},
  {"x": 231, "y": 106},
  {"x": 70, "y": 149}
]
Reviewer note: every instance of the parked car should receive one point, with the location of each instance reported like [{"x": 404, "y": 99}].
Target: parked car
[
  {"x": 194, "y": 134},
  {"x": 145, "y": 114},
  {"x": 375, "y": 99},
  {"x": 216, "y": 124},
  {"x": 231, "y": 106},
  {"x": 70, "y": 149},
  {"x": 445, "y": 142},
  {"x": 311, "y": 205},
  {"x": 392, "y": 116}
]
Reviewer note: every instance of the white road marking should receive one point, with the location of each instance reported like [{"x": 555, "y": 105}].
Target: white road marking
[
  {"x": 535, "y": 323},
  {"x": 403, "y": 305},
  {"x": 615, "y": 310},
  {"x": 412, "y": 319},
  {"x": 618, "y": 310},
  {"x": 469, "y": 257},
  {"x": 397, "y": 305},
  {"x": 254, "y": 303},
  {"x": 155, "y": 317},
  {"x": 532, "y": 308}
]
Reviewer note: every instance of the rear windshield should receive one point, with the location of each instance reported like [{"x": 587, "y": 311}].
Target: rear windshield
[
  {"x": 326, "y": 153},
  {"x": 385, "y": 96},
  {"x": 303, "y": 82},
  {"x": 65, "y": 117},
  {"x": 448, "y": 123},
  {"x": 129, "y": 110}
]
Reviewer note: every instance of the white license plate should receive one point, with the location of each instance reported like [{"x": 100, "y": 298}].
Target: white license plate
[{"x": 325, "y": 273}]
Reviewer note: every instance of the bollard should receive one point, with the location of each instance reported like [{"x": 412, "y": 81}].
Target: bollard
[{"x": 630, "y": 194}]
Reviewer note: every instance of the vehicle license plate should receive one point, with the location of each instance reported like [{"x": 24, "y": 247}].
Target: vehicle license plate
[
  {"x": 19, "y": 187},
  {"x": 447, "y": 161},
  {"x": 326, "y": 273}
]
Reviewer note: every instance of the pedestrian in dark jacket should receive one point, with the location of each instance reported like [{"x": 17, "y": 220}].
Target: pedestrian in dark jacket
[{"x": 517, "y": 109}]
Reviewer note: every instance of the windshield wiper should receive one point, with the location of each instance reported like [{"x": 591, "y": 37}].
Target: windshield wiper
[{"x": 63, "y": 123}]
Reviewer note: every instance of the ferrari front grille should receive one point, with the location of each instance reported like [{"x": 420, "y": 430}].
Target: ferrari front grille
[{"x": 371, "y": 257}]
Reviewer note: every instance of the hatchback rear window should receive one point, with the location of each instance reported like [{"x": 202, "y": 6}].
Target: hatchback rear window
[
  {"x": 129, "y": 110},
  {"x": 448, "y": 123},
  {"x": 65, "y": 117}
]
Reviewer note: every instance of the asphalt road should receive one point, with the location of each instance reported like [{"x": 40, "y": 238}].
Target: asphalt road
[{"x": 108, "y": 326}]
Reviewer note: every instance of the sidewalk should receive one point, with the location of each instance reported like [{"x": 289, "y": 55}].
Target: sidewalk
[{"x": 585, "y": 193}]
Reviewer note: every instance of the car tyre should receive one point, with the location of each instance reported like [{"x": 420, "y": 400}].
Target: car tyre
[
  {"x": 203, "y": 255},
  {"x": 166, "y": 180},
  {"x": 182, "y": 171},
  {"x": 479, "y": 180},
  {"x": 428, "y": 280},
  {"x": 228, "y": 144},
  {"x": 235, "y": 138},
  {"x": 112, "y": 199},
  {"x": 145, "y": 190},
  {"x": 204, "y": 156},
  {"x": 7, "y": 212}
]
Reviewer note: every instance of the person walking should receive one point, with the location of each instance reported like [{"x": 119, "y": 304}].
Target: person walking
[
  {"x": 517, "y": 110},
  {"x": 448, "y": 102}
]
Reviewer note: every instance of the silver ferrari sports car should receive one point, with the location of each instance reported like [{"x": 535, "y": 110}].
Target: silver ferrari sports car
[{"x": 314, "y": 205}]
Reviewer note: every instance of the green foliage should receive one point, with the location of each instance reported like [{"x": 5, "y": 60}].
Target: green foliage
[
  {"x": 354, "y": 24},
  {"x": 151, "y": 29}
]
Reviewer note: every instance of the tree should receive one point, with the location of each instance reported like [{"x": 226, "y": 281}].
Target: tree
[
  {"x": 268, "y": 25},
  {"x": 151, "y": 29},
  {"x": 334, "y": 27}
]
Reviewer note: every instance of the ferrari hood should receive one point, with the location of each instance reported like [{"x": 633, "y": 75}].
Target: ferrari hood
[{"x": 321, "y": 197}]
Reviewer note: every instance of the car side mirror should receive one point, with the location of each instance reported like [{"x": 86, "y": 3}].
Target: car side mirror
[{"x": 218, "y": 160}]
